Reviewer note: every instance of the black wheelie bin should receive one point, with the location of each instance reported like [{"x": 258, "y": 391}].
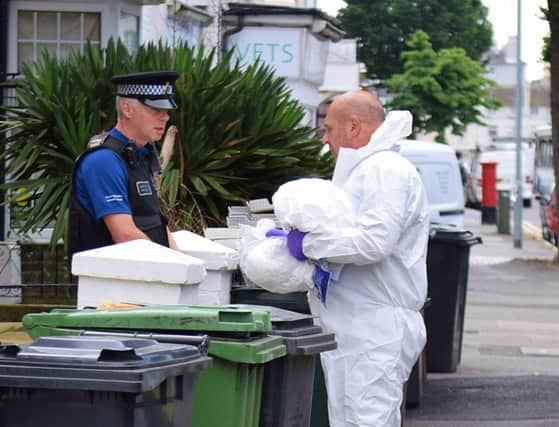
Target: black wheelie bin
[
  {"x": 448, "y": 260},
  {"x": 294, "y": 301},
  {"x": 287, "y": 393},
  {"x": 98, "y": 381}
]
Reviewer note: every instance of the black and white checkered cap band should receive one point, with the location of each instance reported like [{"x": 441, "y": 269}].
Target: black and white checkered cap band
[{"x": 145, "y": 90}]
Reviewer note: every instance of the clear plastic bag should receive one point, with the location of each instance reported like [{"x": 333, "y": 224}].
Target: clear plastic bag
[{"x": 312, "y": 205}]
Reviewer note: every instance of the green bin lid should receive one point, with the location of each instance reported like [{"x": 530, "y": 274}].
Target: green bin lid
[
  {"x": 176, "y": 318},
  {"x": 257, "y": 351},
  {"x": 156, "y": 318}
]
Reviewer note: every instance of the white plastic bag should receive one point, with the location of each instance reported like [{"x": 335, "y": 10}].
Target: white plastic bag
[
  {"x": 266, "y": 261},
  {"x": 312, "y": 205}
]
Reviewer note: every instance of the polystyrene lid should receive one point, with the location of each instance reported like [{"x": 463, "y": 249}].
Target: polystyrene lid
[
  {"x": 140, "y": 260},
  {"x": 215, "y": 255},
  {"x": 220, "y": 233}
]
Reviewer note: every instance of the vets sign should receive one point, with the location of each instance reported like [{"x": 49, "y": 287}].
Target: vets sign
[{"x": 277, "y": 47}]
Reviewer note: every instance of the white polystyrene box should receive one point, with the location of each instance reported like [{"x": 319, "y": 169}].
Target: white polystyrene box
[
  {"x": 215, "y": 255},
  {"x": 220, "y": 262},
  {"x": 138, "y": 271},
  {"x": 213, "y": 297},
  {"x": 93, "y": 291}
]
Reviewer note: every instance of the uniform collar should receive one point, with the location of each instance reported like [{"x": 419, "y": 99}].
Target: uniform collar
[{"x": 118, "y": 135}]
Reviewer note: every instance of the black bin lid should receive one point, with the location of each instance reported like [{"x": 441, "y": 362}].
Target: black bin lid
[
  {"x": 96, "y": 363},
  {"x": 300, "y": 335},
  {"x": 286, "y": 322},
  {"x": 452, "y": 235}
]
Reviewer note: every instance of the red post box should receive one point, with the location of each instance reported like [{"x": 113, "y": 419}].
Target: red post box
[{"x": 489, "y": 192}]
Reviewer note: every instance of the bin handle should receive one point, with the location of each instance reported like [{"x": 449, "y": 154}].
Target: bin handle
[
  {"x": 200, "y": 341},
  {"x": 316, "y": 348}
]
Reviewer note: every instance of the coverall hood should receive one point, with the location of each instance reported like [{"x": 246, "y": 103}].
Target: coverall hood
[{"x": 396, "y": 126}]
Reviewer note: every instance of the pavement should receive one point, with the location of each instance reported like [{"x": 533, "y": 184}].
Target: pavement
[{"x": 509, "y": 369}]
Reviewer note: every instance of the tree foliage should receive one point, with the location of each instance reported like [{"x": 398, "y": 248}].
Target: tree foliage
[
  {"x": 384, "y": 26},
  {"x": 240, "y": 133},
  {"x": 442, "y": 89}
]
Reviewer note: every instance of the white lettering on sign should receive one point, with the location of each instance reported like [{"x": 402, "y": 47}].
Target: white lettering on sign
[{"x": 277, "y": 47}]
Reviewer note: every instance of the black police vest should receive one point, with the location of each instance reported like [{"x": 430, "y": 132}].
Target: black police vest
[{"x": 85, "y": 232}]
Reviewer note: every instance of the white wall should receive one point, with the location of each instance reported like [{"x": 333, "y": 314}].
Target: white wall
[
  {"x": 342, "y": 69},
  {"x": 154, "y": 23}
]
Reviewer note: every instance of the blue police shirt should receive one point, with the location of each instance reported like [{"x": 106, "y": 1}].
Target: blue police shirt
[{"x": 102, "y": 181}]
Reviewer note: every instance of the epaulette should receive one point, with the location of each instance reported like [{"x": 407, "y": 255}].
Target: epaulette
[{"x": 97, "y": 140}]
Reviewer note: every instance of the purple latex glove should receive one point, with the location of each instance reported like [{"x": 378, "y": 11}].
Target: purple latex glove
[
  {"x": 276, "y": 232},
  {"x": 321, "y": 280},
  {"x": 295, "y": 244}
]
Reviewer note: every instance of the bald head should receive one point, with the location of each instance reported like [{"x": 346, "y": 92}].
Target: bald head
[
  {"x": 351, "y": 120},
  {"x": 362, "y": 104}
]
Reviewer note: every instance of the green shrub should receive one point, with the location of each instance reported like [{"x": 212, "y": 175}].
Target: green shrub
[{"x": 240, "y": 133}]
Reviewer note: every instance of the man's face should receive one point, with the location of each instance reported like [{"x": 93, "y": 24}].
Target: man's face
[
  {"x": 149, "y": 123},
  {"x": 336, "y": 130}
]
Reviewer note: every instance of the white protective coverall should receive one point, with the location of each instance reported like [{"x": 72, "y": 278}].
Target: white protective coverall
[{"x": 374, "y": 307}]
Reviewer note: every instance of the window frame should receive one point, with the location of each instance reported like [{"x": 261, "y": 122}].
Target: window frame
[
  {"x": 109, "y": 11},
  {"x": 58, "y": 41}
]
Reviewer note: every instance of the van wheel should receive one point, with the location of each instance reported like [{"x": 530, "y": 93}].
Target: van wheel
[{"x": 527, "y": 203}]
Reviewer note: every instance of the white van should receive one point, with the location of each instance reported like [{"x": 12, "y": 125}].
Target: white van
[
  {"x": 440, "y": 172},
  {"x": 505, "y": 156}
]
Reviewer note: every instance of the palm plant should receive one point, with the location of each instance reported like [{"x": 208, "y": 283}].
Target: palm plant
[
  {"x": 240, "y": 136},
  {"x": 239, "y": 132}
]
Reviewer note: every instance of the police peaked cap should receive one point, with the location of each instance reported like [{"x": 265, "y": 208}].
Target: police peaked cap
[{"x": 153, "y": 88}]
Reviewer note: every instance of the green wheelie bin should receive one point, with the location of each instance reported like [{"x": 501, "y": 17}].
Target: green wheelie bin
[{"x": 226, "y": 395}]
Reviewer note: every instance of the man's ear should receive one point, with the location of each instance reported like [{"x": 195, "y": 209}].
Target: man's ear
[
  {"x": 355, "y": 128},
  {"x": 126, "y": 108}
]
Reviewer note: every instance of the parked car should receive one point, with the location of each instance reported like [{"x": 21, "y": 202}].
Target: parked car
[
  {"x": 543, "y": 182},
  {"x": 549, "y": 217}
]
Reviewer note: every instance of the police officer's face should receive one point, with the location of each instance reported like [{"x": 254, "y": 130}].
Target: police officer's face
[{"x": 149, "y": 123}]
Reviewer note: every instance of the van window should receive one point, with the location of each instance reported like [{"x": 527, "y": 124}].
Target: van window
[{"x": 439, "y": 180}]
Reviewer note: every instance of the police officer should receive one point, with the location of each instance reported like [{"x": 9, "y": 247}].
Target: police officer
[{"x": 113, "y": 196}]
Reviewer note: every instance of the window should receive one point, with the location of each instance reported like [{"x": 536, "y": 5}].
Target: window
[
  {"x": 128, "y": 31},
  {"x": 60, "y": 33}
]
